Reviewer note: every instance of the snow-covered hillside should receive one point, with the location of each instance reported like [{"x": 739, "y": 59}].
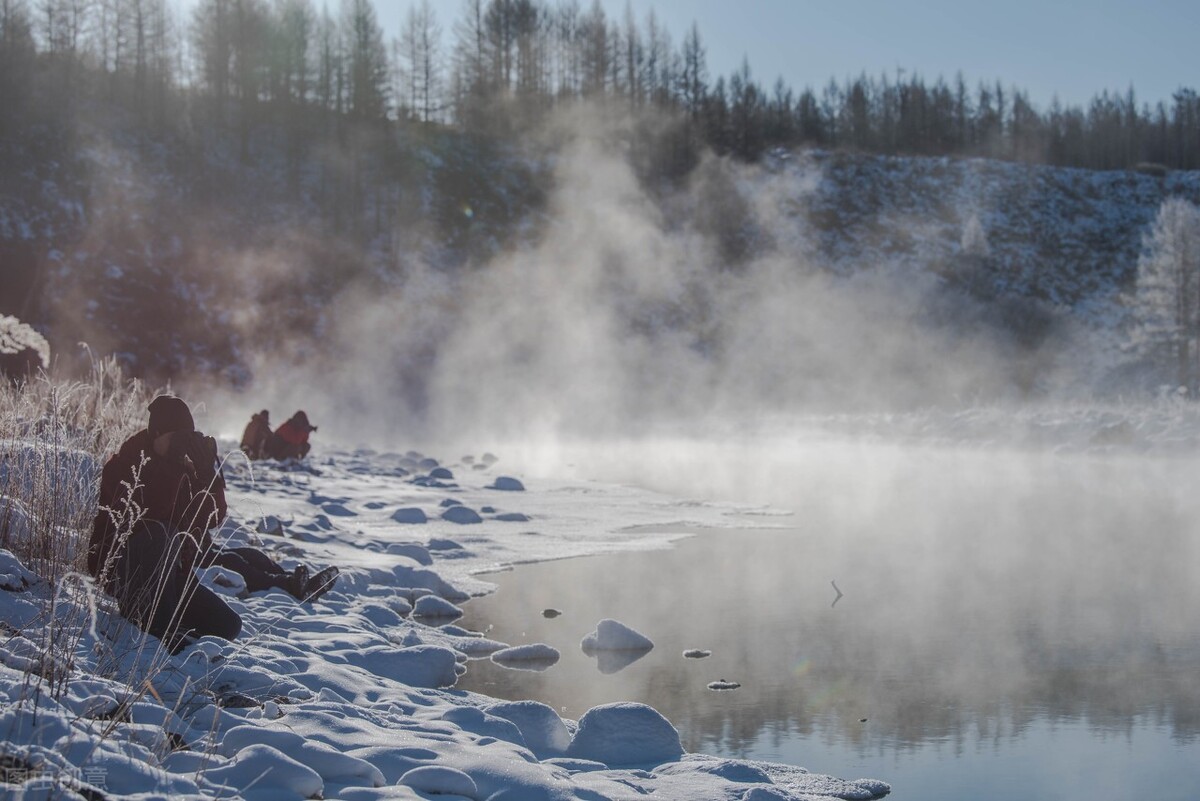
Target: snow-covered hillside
[
  {"x": 186, "y": 270},
  {"x": 1068, "y": 236}
]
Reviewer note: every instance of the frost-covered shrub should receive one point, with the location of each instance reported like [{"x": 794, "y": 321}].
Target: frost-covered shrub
[
  {"x": 23, "y": 351},
  {"x": 54, "y": 436}
]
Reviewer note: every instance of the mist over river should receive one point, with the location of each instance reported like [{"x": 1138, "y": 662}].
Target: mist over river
[{"x": 1013, "y": 622}]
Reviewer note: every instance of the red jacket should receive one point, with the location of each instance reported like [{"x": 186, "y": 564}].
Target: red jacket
[
  {"x": 291, "y": 433},
  {"x": 166, "y": 491}
]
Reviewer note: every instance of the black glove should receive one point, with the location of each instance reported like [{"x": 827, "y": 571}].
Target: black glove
[
  {"x": 202, "y": 451},
  {"x": 178, "y": 446},
  {"x": 195, "y": 451}
]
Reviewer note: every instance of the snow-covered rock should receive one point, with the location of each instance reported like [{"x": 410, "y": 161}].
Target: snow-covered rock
[
  {"x": 263, "y": 772},
  {"x": 416, "y": 666},
  {"x": 330, "y": 764},
  {"x": 435, "y": 607},
  {"x": 409, "y": 516},
  {"x": 507, "y": 484},
  {"x": 532, "y": 656},
  {"x": 441, "y": 780},
  {"x": 14, "y": 576},
  {"x": 611, "y": 635},
  {"x": 461, "y": 515},
  {"x": 413, "y": 550},
  {"x": 544, "y": 731},
  {"x": 625, "y": 734}
]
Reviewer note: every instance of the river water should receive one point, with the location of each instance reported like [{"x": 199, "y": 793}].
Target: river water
[{"x": 1010, "y": 625}]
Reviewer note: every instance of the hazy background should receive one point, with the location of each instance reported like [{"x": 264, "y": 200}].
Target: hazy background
[
  {"x": 567, "y": 221},
  {"x": 624, "y": 317}
]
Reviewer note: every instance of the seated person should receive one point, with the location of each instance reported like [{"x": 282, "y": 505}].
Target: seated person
[
  {"x": 159, "y": 496},
  {"x": 256, "y": 435},
  {"x": 290, "y": 440}
]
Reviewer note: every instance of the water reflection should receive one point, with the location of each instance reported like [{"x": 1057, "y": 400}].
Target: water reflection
[
  {"x": 608, "y": 662},
  {"x": 973, "y": 609}
]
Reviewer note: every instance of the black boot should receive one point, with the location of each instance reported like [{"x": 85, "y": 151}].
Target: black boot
[
  {"x": 321, "y": 583},
  {"x": 297, "y": 583}
]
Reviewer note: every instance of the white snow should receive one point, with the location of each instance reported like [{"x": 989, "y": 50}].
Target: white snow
[
  {"x": 611, "y": 635},
  {"x": 440, "y": 780},
  {"x": 543, "y": 730},
  {"x": 350, "y": 696},
  {"x": 533, "y": 656},
  {"x": 625, "y": 734},
  {"x": 615, "y": 646},
  {"x": 433, "y": 606}
]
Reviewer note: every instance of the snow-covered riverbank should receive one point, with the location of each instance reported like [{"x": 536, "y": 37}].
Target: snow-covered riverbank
[{"x": 352, "y": 696}]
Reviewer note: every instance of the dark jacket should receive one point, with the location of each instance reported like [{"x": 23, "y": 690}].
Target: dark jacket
[
  {"x": 256, "y": 436},
  {"x": 184, "y": 497}
]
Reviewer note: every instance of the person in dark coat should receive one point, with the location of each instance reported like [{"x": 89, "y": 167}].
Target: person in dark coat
[
  {"x": 159, "y": 496},
  {"x": 290, "y": 440},
  {"x": 256, "y": 435}
]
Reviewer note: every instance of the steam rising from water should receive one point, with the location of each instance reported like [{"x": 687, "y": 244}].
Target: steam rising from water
[{"x": 625, "y": 314}]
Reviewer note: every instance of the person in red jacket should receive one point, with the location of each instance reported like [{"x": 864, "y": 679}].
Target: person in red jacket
[
  {"x": 290, "y": 440},
  {"x": 159, "y": 496}
]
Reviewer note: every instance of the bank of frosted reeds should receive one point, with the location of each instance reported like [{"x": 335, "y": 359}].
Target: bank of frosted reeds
[{"x": 54, "y": 436}]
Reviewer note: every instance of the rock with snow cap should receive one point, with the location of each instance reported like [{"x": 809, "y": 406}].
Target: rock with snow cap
[
  {"x": 441, "y": 780},
  {"x": 544, "y": 731},
  {"x": 431, "y": 606},
  {"x": 625, "y": 734},
  {"x": 461, "y": 515},
  {"x": 507, "y": 484}
]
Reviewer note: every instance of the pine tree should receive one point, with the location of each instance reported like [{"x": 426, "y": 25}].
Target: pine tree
[
  {"x": 17, "y": 56},
  {"x": 367, "y": 64},
  {"x": 693, "y": 80},
  {"x": 420, "y": 62},
  {"x": 469, "y": 76}
]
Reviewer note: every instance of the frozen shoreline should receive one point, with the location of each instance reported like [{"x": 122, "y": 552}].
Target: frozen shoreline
[{"x": 352, "y": 697}]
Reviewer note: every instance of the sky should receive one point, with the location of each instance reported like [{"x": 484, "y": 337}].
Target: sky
[{"x": 1048, "y": 48}]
